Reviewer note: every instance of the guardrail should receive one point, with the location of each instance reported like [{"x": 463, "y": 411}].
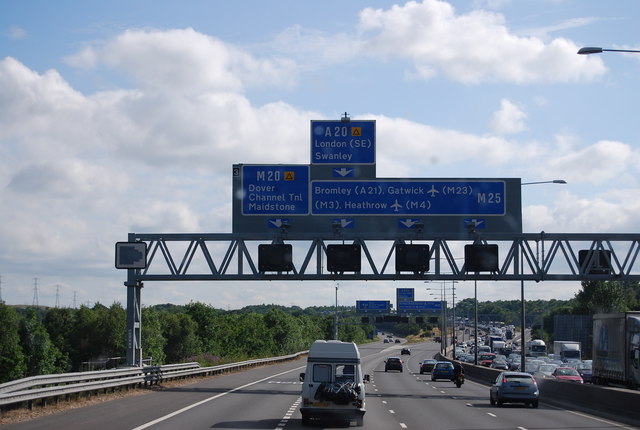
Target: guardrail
[{"x": 45, "y": 387}]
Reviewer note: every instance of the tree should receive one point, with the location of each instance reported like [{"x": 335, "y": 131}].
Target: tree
[
  {"x": 153, "y": 341},
  {"x": 180, "y": 332},
  {"x": 41, "y": 354},
  {"x": 12, "y": 359},
  {"x": 606, "y": 296},
  {"x": 60, "y": 323},
  {"x": 205, "y": 317}
]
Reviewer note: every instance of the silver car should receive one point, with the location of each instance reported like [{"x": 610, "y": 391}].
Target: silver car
[{"x": 514, "y": 387}]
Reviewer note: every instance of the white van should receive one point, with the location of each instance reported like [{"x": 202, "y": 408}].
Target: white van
[{"x": 333, "y": 384}]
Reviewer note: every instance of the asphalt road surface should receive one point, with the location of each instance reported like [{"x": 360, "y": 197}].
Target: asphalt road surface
[{"x": 269, "y": 398}]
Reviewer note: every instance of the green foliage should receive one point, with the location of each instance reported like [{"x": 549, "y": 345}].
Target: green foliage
[
  {"x": 153, "y": 340},
  {"x": 180, "y": 333},
  {"x": 41, "y": 354},
  {"x": 12, "y": 359},
  {"x": 608, "y": 296}
]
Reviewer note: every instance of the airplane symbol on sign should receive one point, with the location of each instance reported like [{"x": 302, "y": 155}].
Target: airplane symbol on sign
[
  {"x": 433, "y": 191},
  {"x": 396, "y": 206}
]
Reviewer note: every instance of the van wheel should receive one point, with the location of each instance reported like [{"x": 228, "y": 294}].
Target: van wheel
[
  {"x": 534, "y": 403},
  {"x": 306, "y": 420}
]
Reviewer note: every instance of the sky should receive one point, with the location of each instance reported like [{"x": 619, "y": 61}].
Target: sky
[{"x": 126, "y": 117}]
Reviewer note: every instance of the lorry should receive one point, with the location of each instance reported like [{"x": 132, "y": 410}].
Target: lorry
[
  {"x": 566, "y": 350},
  {"x": 493, "y": 338},
  {"x": 333, "y": 383},
  {"x": 498, "y": 346},
  {"x": 616, "y": 349},
  {"x": 536, "y": 348}
]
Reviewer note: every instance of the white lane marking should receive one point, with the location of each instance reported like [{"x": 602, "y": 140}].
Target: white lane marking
[
  {"x": 202, "y": 402},
  {"x": 283, "y": 422},
  {"x": 384, "y": 402},
  {"x": 403, "y": 425},
  {"x": 492, "y": 415},
  {"x": 391, "y": 411},
  {"x": 522, "y": 428}
]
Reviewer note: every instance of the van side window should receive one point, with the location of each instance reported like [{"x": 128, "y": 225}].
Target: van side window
[
  {"x": 321, "y": 373},
  {"x": 345, "y": 373}
]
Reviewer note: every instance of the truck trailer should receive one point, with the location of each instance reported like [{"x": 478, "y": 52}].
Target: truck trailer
[
  {"x": 616, "y": 349},
  {"x": 536, "y": 348},
  {"x": 567, "y": 350}
]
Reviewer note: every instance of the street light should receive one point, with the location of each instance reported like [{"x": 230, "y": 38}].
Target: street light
[
  {"x": 555, "y": 181},
  {"x": 445, "y": 317},
  {"x": 595, "y": 50},
  {"x": 522, "y": 309}
]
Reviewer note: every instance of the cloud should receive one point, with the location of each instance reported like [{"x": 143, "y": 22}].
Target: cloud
[
  {"x": 471, "y": 48},
  {"x": 595, "y": 164},
  {"x": 509, "y": 119},
  {"x": 186, "y": 59},
  {"x": 17, "y": 33}
]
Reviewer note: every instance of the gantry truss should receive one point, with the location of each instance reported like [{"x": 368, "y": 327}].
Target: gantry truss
[
  {"x": 228, "y": 257},
  {"x": 528, "y": 256}
]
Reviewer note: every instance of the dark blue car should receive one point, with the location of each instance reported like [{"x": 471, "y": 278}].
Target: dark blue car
[{"x": 443, "y": 370}]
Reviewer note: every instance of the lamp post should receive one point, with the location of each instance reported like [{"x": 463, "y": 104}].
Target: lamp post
[
  {"x": 443, "y": 324},
  {"x": 596, "y": 50},
  {"x": 443, "y": 305},
  {"x": 522, "y": 305},
  {"x": 335, "y": 317},
  {"x": 555, "y": 181}
]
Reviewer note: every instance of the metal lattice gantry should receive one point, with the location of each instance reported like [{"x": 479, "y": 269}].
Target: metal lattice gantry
[
  {"x": 545, "y": 256},
  {"x": 228, "y": 257}
]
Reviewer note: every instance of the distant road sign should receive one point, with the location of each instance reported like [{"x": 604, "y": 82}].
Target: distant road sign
[
  {"x": 275, "y": 190},
  {"x": 338, "y": 142},
  {"x": 419, "y": 306},
  {"x": 408, "y": 197},
  {"x": 373, "y": 306},
  {"x": 405, "y": 294}
]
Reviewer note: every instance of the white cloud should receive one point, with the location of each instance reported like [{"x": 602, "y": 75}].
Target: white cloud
[
  {"x": 17, "y": 33},
  {"x": 594, "y": 164},
  {"x": 471, "y": 48},
  {"x": 509, "y": 119}
]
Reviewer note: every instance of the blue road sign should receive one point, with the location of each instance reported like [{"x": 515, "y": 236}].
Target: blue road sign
[
  {"x": 337, "y": 142},
  {"x": 408, "y": 197},
  {"x": 275, "y": 190},
  {"x": 373, "y": 306},
  {"x": 419, "y": 306},
  {"x": 405, "y": 294}
]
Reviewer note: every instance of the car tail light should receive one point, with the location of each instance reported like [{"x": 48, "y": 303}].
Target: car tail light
[
  {"x": 305, "y": 401},
  {"x": 504, "y": 379}
]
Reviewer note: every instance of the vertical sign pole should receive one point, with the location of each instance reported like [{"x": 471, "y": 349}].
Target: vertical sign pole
[{"x": 134, "y": 316}]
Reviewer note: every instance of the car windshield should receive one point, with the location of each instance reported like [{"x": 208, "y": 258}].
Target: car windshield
[
  {"x": 444, "y": 366},
  {"x": 522, "y": 379},
  {"x": 567, "y": 372}
]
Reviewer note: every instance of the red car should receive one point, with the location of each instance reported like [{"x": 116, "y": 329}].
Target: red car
[
  {"x": 567, "y": 374},
  {"x": 486, "y": 358}
]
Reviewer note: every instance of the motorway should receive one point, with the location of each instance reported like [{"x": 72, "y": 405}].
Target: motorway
[{"x": 269, "y": 398}]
